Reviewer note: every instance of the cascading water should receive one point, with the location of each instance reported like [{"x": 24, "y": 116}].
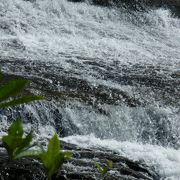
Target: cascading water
[{"x": 111, "y": 76}]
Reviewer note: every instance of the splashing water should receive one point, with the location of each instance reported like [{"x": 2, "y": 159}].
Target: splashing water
[{"x": 126, "y": 65}]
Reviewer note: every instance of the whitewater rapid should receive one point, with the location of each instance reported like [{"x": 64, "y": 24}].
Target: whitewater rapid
[
  {"x": 86, "y": 42},
  {"x": 165, "y": 160},
  {"x": 51, "y": 29}
]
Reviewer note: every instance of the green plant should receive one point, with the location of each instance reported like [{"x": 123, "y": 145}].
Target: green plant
[
  {"x": 10, "y": 94},
  {"x": 15, "y": 143},
  {"x": 53, "y": 158},
  {"x": 18, "y": 145},
  {"x": 104, "y": 169}
]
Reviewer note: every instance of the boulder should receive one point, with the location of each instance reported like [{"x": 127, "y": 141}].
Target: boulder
[
  {"x": 139, "y": 5},
  {"x": 81, "y": 167}
]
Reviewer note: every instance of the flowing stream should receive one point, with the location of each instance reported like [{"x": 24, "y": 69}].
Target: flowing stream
[{"x": 117, "y": 70}]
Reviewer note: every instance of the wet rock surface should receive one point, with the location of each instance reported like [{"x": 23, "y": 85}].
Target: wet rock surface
[
  {"x": 25, "y": 169},
  {"x": 53, "y": 80},
  {"x": 81, "y": 167},
  {"x": 64, "y": 85},
  {"x": 68, "y": 90},
  {"x": 139, "y": 5}
]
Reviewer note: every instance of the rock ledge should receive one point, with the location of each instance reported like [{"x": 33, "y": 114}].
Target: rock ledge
[{"x": 81, "y": 167}]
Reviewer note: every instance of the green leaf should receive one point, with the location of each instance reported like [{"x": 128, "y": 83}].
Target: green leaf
[
  {"x": 67, "y": 155},
  {"x": 53, "y": 158},
  {"x": 16, "y": 129},
  {"x": 21, "y": 100},
  {"x": 98, "y": 166},
  {"x": 25, "y": 143},
  {"x": 109, "y": 164},
  {"x": 54, "y": 145},
  {"x": 29, "y": 153},
  {"x": 104, "y": 169},
  {"x": 12, "y": 89},
  {"x": 11, "y": 143},
  {"x": 16, "y": 145},
  {"x": 14, "y": 141}
]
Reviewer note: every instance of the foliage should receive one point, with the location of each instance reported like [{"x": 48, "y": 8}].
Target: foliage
[
  {"x": 9, "y": 92},
  {"x": 10, "y": 95},
  {"x": 18, "y": 145},
  {"x": 53, "y": 158},
  {"x": 104, "y": 169},
  {"x": 14, "y": 142}
]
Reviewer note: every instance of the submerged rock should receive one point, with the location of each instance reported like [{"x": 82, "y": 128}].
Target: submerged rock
[
  {"x": 81, "y": 166},
  {"x": 74, "y": 105},
  {"x": 25, "y": 169},
  {"x": 139, "y": 5}
]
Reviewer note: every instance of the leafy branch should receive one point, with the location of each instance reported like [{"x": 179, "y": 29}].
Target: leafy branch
[
  {"x": 104, "y": 169},
  {"x": 9, "y": 92},
  {"x": 54, "y": 158},
  {"x": 19, "y": 147},
  {"x": 16, "y": 143}
]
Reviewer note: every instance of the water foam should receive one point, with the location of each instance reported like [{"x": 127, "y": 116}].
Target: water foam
[
  {"x": 48, "y": 28},
  {"x": 60, "y": 31},
  {"x": 165, "y": 160}
]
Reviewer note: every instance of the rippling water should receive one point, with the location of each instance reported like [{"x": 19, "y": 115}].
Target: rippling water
[{"x": 120, "y": 70}]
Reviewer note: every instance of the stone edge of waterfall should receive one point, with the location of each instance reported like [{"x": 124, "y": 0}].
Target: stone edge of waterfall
[
  {"x": 138, "y": 5},
  {"x": 82, "y": 166}
]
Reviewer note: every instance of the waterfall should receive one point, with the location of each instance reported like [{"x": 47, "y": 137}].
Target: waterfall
[{"x": 110, "y": 76}]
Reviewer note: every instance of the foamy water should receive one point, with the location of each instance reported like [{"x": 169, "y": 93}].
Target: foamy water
[
  {"x": 58, "y": 31},
  {"x": 165, "y": 160},
  {"x": 49, "y": 28}
]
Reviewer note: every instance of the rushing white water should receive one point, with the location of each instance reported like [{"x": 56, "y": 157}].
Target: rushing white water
[
  {"x": 57, "y": 31},
  {"x": 165, "y": 160},
  {"x": 78, "y": 29}
]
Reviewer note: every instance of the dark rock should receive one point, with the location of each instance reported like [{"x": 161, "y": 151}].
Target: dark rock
[
  {"x": 25, "y": 169},
  {"x": 14, "y": 44},
  {"x": 81, "y": 167},
  {"x": 103, "y": 2},
  {"x": 141, "y": 5},
  {"x": 151, "y": 85},
  {"x": 31, "y": 1},
  {"x": 74, "y": 88},
  {"x": 76, "y": 0}
]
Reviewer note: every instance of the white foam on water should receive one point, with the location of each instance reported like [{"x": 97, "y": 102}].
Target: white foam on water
[
  {"x": 165, "y": 160},
  {"x": 59, "y": 31},
  {"x": 89, "y": 31}
]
